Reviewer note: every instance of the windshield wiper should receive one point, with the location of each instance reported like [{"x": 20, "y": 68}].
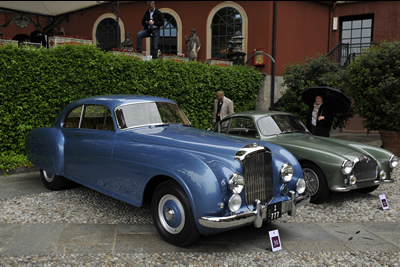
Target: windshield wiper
[
  {"x": 294, "y": 131},
  {"x": 162, "y": 124}
]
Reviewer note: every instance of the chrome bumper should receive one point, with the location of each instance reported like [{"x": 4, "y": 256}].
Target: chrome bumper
[
  {"x": 347, "y": 188},
  {"x": 257, "y": 216}
]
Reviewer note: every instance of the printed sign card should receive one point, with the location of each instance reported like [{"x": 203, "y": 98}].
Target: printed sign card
[
  {"x": 275, "y": 240},
  {"x": 385, "y": 204}
]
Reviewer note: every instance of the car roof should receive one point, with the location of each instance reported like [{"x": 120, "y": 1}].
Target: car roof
[
  {"x": 259, "y": 114},
  {"x": 116, "y": 100}
]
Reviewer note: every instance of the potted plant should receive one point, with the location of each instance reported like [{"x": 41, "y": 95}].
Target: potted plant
[{"x": 374, "y": 84}]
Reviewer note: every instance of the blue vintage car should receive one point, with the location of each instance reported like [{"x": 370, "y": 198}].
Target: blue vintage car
[{"x": 142, "y": 148}]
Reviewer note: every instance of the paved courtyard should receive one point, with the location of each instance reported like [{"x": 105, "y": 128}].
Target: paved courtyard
[{"x": 80, "y": 227}]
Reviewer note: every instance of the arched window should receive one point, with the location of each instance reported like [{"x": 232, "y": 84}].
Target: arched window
[
  {"x": 107, "y": 34},
  {"x": 168, "y": 35},
  {"x": 226, "y": 23}
]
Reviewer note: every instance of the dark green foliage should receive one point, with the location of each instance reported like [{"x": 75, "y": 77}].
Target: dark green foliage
[
  {"x": 319, "y": 71},
  {"x": 374, "y": 83},
  {"x": 36, "y": 84}
]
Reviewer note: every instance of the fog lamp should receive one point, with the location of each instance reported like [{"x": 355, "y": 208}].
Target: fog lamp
[
  {"x": 382, "y": 175},
  {"x": 301, "y": 186},
  {"x": 352, "y": 180},
  {"x": 234, "y": 203}
]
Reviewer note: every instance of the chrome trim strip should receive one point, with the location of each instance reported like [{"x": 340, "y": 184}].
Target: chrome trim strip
[
  {"x": 386, "y": 181},
  {"x": 246, "y": 151},
  {"x": 346, "y": 188},
  {"x": 354, "y": 186}
]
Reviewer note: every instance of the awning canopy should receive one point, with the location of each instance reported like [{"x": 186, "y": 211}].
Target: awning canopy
[{"x": 48, "y": 8}]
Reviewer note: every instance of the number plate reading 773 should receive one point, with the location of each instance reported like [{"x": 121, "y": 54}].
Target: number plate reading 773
[{"x": 274, "y": 211}]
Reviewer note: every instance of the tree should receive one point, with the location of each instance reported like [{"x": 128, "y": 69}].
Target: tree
[{"x": 374, "y": 84}]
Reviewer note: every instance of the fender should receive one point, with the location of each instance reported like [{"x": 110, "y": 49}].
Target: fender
[{"x": 45, "y": 149}]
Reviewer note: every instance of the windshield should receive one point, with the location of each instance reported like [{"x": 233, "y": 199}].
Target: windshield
[
  {"x": 278, "y": 124},
  {"x": 149, "y": 113}
]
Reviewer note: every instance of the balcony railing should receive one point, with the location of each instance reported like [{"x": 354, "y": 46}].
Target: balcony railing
[{"x": 345, "y": 53}]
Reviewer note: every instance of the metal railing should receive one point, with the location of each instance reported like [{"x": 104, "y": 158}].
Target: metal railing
[{"x": 345, "y": 53}]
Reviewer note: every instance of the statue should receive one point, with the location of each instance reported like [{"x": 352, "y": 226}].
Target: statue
[
  {"x": 193, "y": 45},
  {"x": 127, "y": 44}
]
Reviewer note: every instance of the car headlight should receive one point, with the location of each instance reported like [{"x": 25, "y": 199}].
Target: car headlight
[
  {"x": 393, "y": 161},
  {"x": 301, "y": 186},
  {"x": 234, "y": 203},
  {"x": 236, "y": 183},
  {"x": 286, "y": 172},
  {"x": 347, "y": 167}
]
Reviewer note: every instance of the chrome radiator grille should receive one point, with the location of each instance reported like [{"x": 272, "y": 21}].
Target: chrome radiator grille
[
  {"x": 366, "y": 169},
  {"x": 258, "y": 177}
]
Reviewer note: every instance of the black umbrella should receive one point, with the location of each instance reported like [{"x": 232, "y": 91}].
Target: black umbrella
[{"x": 332, "y": 97}]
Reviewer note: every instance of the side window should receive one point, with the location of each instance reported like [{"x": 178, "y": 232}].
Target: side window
[
  {"x": 73, "y": 118},
  {"x": 224, "y": 126},
  {"x": 97, "y": 117},
  {"x": 94, "y": 117}
]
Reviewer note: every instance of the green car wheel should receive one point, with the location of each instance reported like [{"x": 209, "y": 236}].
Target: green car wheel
[{"x": 316, "y": 185}]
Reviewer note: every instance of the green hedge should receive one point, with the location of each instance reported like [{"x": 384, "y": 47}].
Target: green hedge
[{"x": 36, "y": 84}]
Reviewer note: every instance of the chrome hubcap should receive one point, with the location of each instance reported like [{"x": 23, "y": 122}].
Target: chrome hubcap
[
  {"x": 169, "y": 214},
  {"x": 312, "y": 182}
]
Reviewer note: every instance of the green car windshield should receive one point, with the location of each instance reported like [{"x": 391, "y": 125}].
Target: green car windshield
[
  {"x": 149, "y": 113},
  {"x": 279, "y": 124}
]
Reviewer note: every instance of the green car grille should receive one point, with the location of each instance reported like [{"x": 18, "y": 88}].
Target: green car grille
[{"x": 366, "y": 170}]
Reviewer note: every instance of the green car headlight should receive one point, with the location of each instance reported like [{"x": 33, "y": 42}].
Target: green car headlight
[
  {"x": 347, "y": 167},
  {"x": 393, "y": 161},
  {"x": 286, "y": 172}
]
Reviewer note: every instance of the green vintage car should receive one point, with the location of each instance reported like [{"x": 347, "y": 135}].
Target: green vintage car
[{"x": 328, "y": 164}]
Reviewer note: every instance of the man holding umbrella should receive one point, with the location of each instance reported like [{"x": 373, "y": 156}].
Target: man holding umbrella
[
  {"x": 319, "y": 119},
  {"x": 324, "y": 103}
]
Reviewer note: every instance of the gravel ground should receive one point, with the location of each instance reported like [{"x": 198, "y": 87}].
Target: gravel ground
[{"x": 82, "y": 205}]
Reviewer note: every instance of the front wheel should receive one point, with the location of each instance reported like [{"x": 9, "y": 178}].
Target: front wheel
[
  {"x": 52, "y": 181},
  {"x": 172, "y": 215},
  {"x": 316, "y": 185}
]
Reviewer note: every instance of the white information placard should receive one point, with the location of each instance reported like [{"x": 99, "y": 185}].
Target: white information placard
[
  {"x": 385, "y": 203},
  {"x": 275, "y": 240}
]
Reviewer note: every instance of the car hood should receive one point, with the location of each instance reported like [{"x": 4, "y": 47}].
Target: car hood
[
  {"x": 339, "y": 147},
  {"x": 190, "y": 138}
]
